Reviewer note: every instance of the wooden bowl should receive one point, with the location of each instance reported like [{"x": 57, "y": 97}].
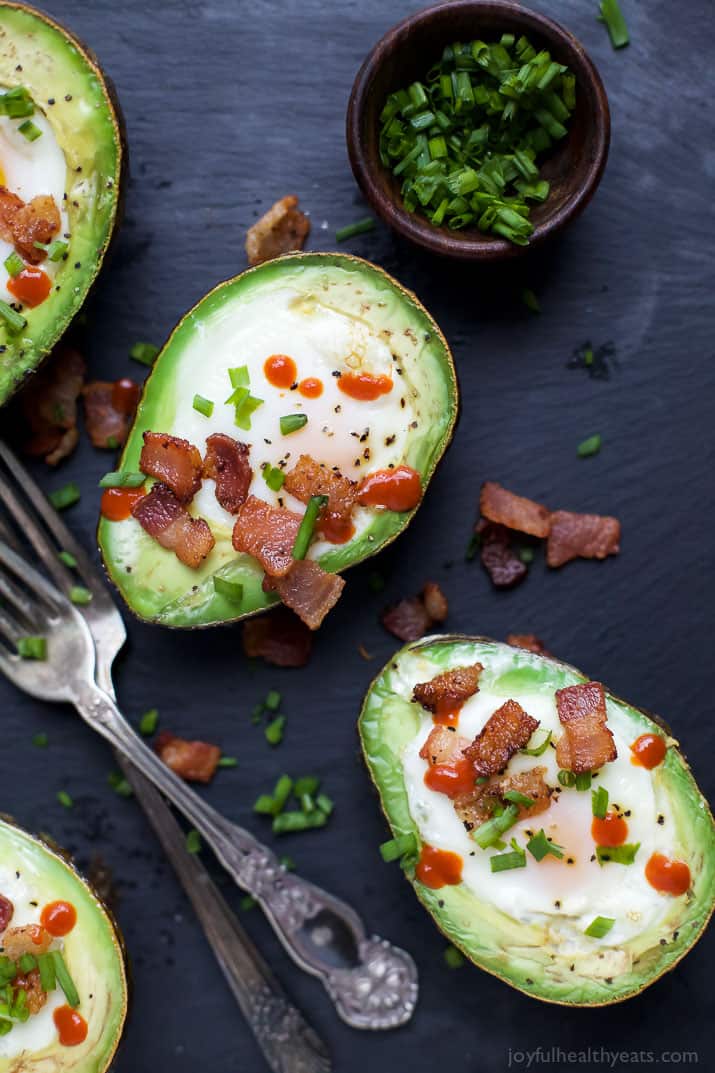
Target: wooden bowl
[{"x": 406, "y": 53}]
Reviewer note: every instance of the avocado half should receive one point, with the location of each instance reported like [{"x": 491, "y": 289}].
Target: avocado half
[
  {"x": 33, "y": 874},
  {"x": 67, "y": 86},
  {"x": 346, "y": 289},
  {"x": 521, "y": 947}
]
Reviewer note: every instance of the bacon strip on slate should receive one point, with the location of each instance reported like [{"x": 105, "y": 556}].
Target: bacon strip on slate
[
  {"x": 581, "y": 536},
  {"x": 504, "y": 733},
  {"x": 280, "y": 230},
  {"x": 435, "y": 602},
  {"x": 586, "y": 743},
  {"x": 308, "y": 590},
  {"x": 513, "y": 511},
  {"x": 170, "y": 524},
  {"x": 529, "y": 642},
  {"x": 499, "y": 560},
  {"x": 411, "y": 618},
  {"x": 280, "y": 638},
  {"x": 476, "y": 807},
  {"x": 6, "y": 911},
  {"x": 448, "y": 691},
  {"x": 268, "y": 534},
  {"x": 48, "y": 406},
  {"x": 108, "y": 411},
  {"x": 226, "y": 463},
  {"x": 174, "y": 462},
  {"x": 310, "y": 478},
  {"x": 194, "y": 761}
]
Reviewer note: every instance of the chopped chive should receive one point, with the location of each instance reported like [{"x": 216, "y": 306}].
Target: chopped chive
[
  {"x": 274, "y": 730},
  {"x": 530, "y": 300},
  {"x": 112, "y": 443},
  {"x": 64, "y": 979},
  {"x": 518, "y": 799},
  {"x": 612, "y": 15},
  {"x": 27, "y": 963},
  {"x": 80, "y": 596},
  {"x": 48, "y": 977},
  {"x": 281, "y": 793},
  {"x": 30, "y": 130},
  {"x": 566, "y": 778},
  {"x": 19, "y": 1010},
  {"x": 228, "y": 761},
  {"x": 55, "y": 250},
  {"x": 583, "y": 780},
  {"x": 453, "y": 958},
  {"x": 306, "y": 784},
  {"x": 248, "y": 902},
  {"x": 298, "y": 821},
  {"x": 526, "y": 555},
  {"x": 203, "y": 406},
  {"x": 472, "y": 547},
  {"x": 193, "y": 841},
  {"x": 244, "y": 410},
  {"x": 65, "y": 496},
  {"x": 375, "y": 582},
  {"x": 149, "y": 722},
  {"x": 505, "y": 862},
  {"x": 119, "y": 784},
  {"x": 264, "y": 805},
  {"x": 588, "y": 447},
  {"x": 274, "y": 478},
  {"x": 118, "y": 479},
  {"x": 233, "y": 590},
  {"x": 599, "y": 802},
  {"x": 64, "y": 799},
  {"x": 40, "y": 741},
  {"x": 599, "y": 927},
  {"x": 360, "y": 227},
  {"x": 539, "y": 847},
  {"x": 14, "y": 321},
  {"x": 540, "y": 749},
  {"x": 306, "y": 802},
  {"x": 324, "y": 804},
  {"x": 272, "y": 701},
  {"x": 144, "y": 352},
  {"x": 624, "y": 854},
  {"x": 287, "y": 862},
  {"x": 32, "y": 648},
  {"x": 239, "y": 376},
  {"x": 14, "y": 264},
  {"x": 68, "y": 559},
  {"x": 491, "y": 831},
  {"x": 307, "y": 525},
  {"x": 401, "y": 846},
  {"x": 17, "y": 103},
  {"x": 292, "y": 423}
]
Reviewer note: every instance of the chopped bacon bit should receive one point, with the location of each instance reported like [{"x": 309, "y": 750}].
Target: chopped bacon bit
[
  {"x": 280, "y": 638},
  {"x": 280, "y": 230},
  {"x": 10, "y": 204},
  {"x": 226, "y": 463},
  {"x": 581, "y": 536},
  {"x": 364, "y": 653},
  {"x": 310, "y": 478},
  {"x": 476, "y": 807},
  {"x": 194, "y": 761},
  {"x": 268, "y": 534},
  {"x": 48, "y": 406},
  {"x": 586, "y": 743},
  {"x": 515, "y": 512},
  {"x": 499, "y": 560},
  {"x": 308, "y": 590},
  {"x": 174, "y": 462},
  {"x": 442, "y": 745},
  {"x": 529, "y": 642},
  {"x": 170, "y": 524},
  {"x": 107, "y": 413},
  {"x": 30, "y": 984},
  {"x": 6, "y": 911},
  {"x": 505, "y": 732},
  {"x": 37, "y": 221},
  {"x": 28, "y": 939},
  {"x": 448, "y": 690},
  {"x": 412, "y": 617},
  {"x": 435, "y": 602}
]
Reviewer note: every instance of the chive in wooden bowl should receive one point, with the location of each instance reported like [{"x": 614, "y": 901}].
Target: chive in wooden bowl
[{"x": 573, "y": 166}]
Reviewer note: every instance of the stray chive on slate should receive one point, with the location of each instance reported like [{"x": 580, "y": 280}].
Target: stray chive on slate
[
  {"x": 149, "y": 722},
  {"x": 40, "y": 741},
  {"x": 453, "y": 958},
  {"x": 193, "y": 841},
  {"x": 32, "y": 647},
  {"x": 65, "y": 496},
  {"x": 360, "y": 227},
  {"x": 64, "y": 799},
  {"x": 588, "y": 447},
  {"x": 599, "y": 363},
  {"x": 530, "y": 300},
  {"x": 466, "y": 140},
  {"x": 144, "y": 352},
  {"x": 119, "y": 784},
  {"x": 612, "y": 16}
]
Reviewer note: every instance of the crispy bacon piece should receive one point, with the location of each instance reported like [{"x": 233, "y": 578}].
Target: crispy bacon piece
[
  {"x": 505, "y": 732},
  {"x": 6, "y": 911},
  {"x": 280, "y": 638},
  {"x": 9, "y": 205},
  {"x": 48, "y": 406},
  {"x": 30, "y": 984},
  {"x": 449, "y": 690},
  {"x": 504, "y": 567},
  {"x": 515, "y": 512},
  {"x": 435, "y": 602},
  {"x": 586, "y": 743},
  {"x": 280, "y": 230},
  {"x": 308, "y": 590},
  {"x": 442, "y": 745},
  {"x": 268, "y": 534},
  {"x": 174, "y": 462},
  {"x": 37, "y": 221},
  {"x": 27, "y": 939},
  {"x": 310, "y": 478},
  {"x": 475, "y": 808},
  {"x": 412, "y": 617},
  {"x": 194, "y": 761},
  {"x": 581, "y": 536},
  {"x": 528, "y": 641},
  {"x": 170, "y": 524},
  {"x": 226, "y": 463},
  {"x": 108, "y": 412}
]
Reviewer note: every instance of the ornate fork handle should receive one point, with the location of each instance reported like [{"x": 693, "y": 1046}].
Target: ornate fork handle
[{"x": 372, "y": 983}]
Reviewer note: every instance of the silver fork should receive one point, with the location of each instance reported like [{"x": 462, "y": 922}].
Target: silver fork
[
  {"x": 372, "y": 983},
  {"x": 288, "y": 1043}
]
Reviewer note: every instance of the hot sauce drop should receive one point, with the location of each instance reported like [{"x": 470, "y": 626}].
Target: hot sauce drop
[
  {"x": 451, "y": 779},
  {"x": 438, "y": 868},
  {"x": 311, "y": 387},
  {"x": 125, "y": 395},
  {"x": 280, "y": 370},
  {"x": 648, "y": 750},
  {"x": 117, "y": 503},
  {"x": 58, "y": 918},
  {"x": 71, "y": 1026},
  {"x": 668, "y": 877},
  {"x": 336, "y": 530},
  {"x": 612, "y": 830},
  {"x": 364, "y": 386},
  {"x": 396, "y": 489},
  {"x": 31, "y": 286}
]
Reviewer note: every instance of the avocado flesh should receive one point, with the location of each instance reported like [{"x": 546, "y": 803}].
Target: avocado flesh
[
  {"x": 92, "y": 951},
  {"x": 522, "y": 952},
  {"x": 44, "y": 58},
  {"x": 320, "y": 293}
]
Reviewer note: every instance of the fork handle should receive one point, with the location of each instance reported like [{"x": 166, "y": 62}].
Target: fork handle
[{"x": 372, "y": 983}]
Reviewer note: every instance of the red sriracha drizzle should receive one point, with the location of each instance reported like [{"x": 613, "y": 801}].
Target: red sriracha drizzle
[
  {"x": 648, "y": 750},
  {"x": 311, "y": 387},
  {"x": 438, "y": 868},
  {"x": 71, "y": 1026},
  {"x": 281, "y": 371},
  {"x": 452, "y": 779},
  {"x": 667, "y": 876},
  {"x": 364, "y": 386},
  {"x": 612, "y": 830},
  {"x": 31, "y": 286},
  {"x": 396, "y": 489},
  {"x": 58, "y": 918},
  {"x": 117, "y": 503}
]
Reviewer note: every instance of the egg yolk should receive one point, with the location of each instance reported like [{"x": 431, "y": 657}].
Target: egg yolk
[
  {"x": 612, "y": 830},
  {"x": 2, "y": 176}
]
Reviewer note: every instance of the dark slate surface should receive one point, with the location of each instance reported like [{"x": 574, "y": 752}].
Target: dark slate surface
[{"x": 229, "y": 106}]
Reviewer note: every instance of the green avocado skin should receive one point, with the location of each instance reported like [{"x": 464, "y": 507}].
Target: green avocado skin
[
  {"x": 154, "y": 584},
  {"x": 489, "y": 938},
  {"x": 44, "y": 58},
  {"x": 93, "y": 951}
]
